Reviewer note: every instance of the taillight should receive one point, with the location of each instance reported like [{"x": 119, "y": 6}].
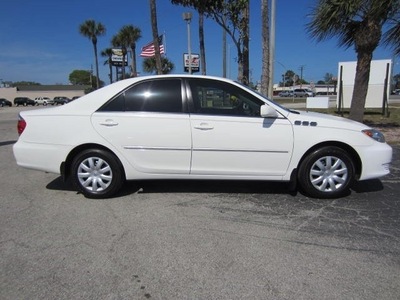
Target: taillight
[{"x": 21, "y": 125}]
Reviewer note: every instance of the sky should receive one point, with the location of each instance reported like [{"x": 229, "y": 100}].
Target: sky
[{"x": 40, "y": 39}]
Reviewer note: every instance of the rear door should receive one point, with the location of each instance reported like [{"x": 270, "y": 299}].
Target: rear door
[{"x": 148, "y": 125}]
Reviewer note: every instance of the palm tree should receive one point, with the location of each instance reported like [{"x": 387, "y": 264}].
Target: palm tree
[
  {"x": 121, "y": 40},
  {"x": 359, "y": 24},
  {"x": 201, "y": 42},
  {"x": 108, "y": 53},
  {"x": 234, "y": 17},
  {"x": 200, "y": 7},
  {"x": 154, "y": 28},
  {"x": 392, "y": 36},
  {"x": 265, "y": 48},
  {"x": 92, "y": 30},
  {"x": 131, "y": 35},
  {"x": 149, "y": 65}
]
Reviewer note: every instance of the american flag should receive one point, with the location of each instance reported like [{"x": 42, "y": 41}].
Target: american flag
[{"x": 149, "y": 50}]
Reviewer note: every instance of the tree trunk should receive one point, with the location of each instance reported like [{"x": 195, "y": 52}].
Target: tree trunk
[
  {"x": 360, "y": 86},
  {"x": 240, "y": 65},
  {"x": 265, "y": 48},
  {"x": 97, "y": 65},
  {"x": 124, "y": 52},
  {"x": 153, "y": 10},
  {"x": 134, "y": 69},
  {"x": 246, "y": 38},
  {"x": 366, "y": 40},
  {"x": 111, "y": 72},
  {"x": 202, "y": 47}
]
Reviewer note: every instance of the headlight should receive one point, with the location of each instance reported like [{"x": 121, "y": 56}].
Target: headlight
[{"x": 375, "y": 134}]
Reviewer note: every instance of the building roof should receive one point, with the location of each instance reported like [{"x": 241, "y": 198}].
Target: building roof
[{"x": 38, "y": 88}]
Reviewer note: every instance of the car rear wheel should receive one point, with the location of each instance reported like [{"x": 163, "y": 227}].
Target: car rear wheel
[
  {"x": 97, "y": 174},
  {"x": 327, "y": 172}
]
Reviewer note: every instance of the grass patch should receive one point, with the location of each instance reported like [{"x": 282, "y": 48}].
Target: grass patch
[{"x": 372, "y": 116}]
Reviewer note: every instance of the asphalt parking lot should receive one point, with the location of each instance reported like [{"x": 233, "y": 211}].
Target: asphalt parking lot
[{"x": 194, "y": 239}]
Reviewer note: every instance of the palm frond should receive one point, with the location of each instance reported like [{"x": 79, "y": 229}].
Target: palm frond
[{"x": 391, "y": 37}]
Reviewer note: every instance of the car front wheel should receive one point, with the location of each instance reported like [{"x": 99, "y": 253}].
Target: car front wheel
[
  {"x": 97, "y": 174},
  {"x": 327, "y": 172}
]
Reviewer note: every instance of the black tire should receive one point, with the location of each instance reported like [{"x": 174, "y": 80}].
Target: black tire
[
  {"x": 326, "y": 173},
  {"x": 97, "y": 181}
]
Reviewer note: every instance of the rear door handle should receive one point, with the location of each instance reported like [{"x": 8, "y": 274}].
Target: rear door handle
[{"x": 109, "y": 123}]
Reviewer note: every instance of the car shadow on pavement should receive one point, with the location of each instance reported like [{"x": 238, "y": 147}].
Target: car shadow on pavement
[
  {"x": 188, "y": 186},
  {"x": 366, "y": 186},
  {"x": 212, "y": 186},
  {"x": 60, "y": 185},
  {"x": 6, "y": 143},
  {"x": 206, "y": 186}
]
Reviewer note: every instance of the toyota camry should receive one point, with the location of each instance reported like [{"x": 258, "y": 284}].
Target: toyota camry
[{"x": 196, "y": 127}]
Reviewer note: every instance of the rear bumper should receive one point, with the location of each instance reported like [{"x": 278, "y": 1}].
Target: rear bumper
[{"x": 41, "y": 157}]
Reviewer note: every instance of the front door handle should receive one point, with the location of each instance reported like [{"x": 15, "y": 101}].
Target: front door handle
[{"x": 203, "y": 126}]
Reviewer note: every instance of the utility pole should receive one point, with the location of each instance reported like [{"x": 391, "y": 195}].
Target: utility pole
[
  {"x": 271, "y": 50},
  {"x": 91, "y": 76},
  {"x": 302, "y": 67},
  {"x": 224, "y": 49}
]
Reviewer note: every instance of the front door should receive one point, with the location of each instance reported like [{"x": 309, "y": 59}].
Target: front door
[{"x": 231, "y": 138}]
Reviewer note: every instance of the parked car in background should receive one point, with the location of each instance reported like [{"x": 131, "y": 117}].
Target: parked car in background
[
  {"x": 303, "y": 93},
  {"x": 61, "y": 100},
  {"x": 43, "y": 101},
  {"x": 196, "y": 127},
  {"x": 74, "y": 98},
  {"x": 23, "y": 101},
  {"x": 286, "y": 94},
  {"x": 325, "y": 93},
  {"x": 5, "y": 102}
]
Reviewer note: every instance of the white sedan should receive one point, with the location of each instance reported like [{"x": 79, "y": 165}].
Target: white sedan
[{"x": 196, "y": 127}]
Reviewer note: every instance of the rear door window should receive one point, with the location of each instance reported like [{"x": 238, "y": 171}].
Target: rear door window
[{"x": 159, "y": 95}]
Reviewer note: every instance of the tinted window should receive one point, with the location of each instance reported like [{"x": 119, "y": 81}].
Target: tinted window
[
  {"x": 220, "y": 98},
  {"x": 162, "y": 95}
]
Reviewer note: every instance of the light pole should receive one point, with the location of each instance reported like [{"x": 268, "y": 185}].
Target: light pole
[
  {"x": 187, "y": 16},
  {"x": 283, "y": 75}
]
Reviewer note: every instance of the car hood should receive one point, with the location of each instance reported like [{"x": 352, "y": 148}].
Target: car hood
[{"x": 325, "y": 120}]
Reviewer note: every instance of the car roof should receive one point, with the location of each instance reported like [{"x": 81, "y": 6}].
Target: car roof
[{"x": 90, "y": 102}]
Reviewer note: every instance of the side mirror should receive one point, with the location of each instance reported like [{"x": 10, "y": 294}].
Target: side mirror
[{"x": 268, "y": 112}]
